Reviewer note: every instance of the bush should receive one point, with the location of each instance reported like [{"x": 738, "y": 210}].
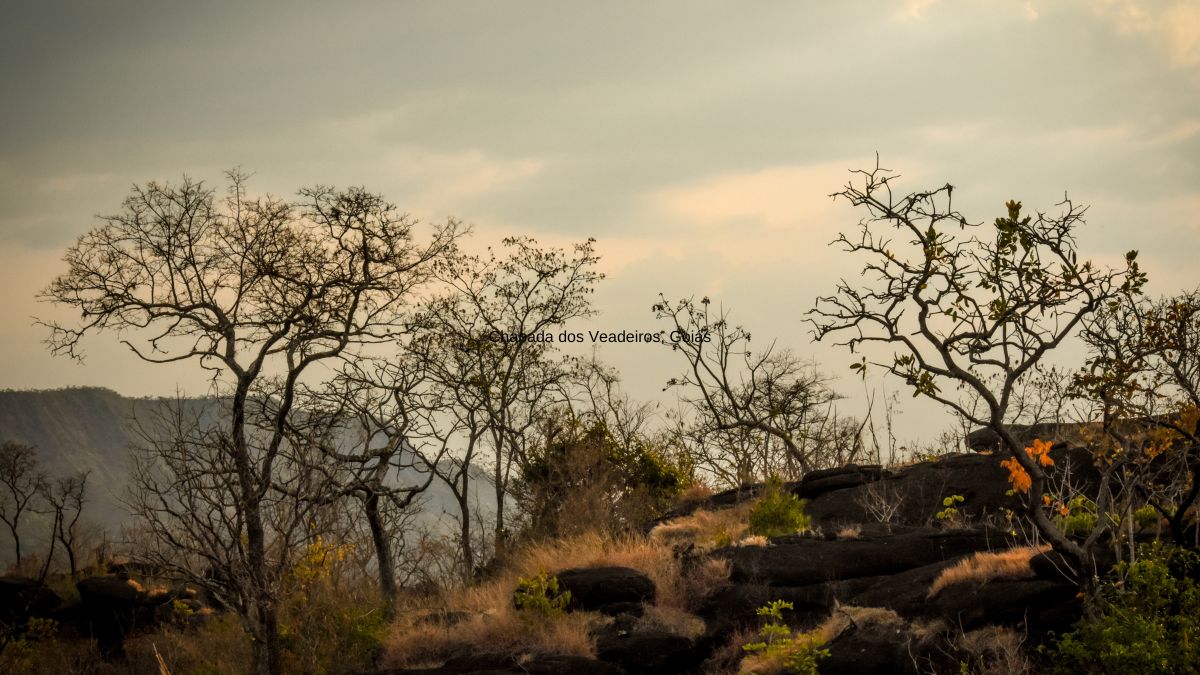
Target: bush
[
  {"x": 950, "y": 515},
  {"x": 777, "y": 512},
  {"x": 1077, "y": 517},
  {"x": 1149, "y": 619},
  {"x": 778, "y": 650},
  {"x": 539, "y": 596}
]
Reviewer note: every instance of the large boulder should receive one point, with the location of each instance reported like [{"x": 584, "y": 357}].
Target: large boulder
[
  {"x": 1035, "y": 605},
  {"x": 22, "y": 599},
  {"x": 905, "y": 593},
  {"x": 734, "y": 606},
  {"x": 824, "y": 480},
  {"x": 986, "y": 440},
  {"x": 649, "y": 652},
  {"x": 874, "y": 649},
  {"x": 800, "y": 561},
  {"x": 113, "y": 606},
  {"x": 611, "y": 590}
]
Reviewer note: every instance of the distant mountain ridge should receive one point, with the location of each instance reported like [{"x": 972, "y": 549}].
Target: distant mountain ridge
[
  {"x": 93, "y": 429},
  {"x": 81, "y": 429}
]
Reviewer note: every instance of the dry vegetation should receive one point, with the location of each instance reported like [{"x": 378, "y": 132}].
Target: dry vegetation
[
  {"x": 707, "y": 528},
  {"x": 986, "y": 566},
  {"x": 485, "y": 616},
  {"x": 995, "y": 650}
]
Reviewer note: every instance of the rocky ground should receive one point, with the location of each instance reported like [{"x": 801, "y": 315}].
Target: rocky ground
[{"x": 892, "y": 588}]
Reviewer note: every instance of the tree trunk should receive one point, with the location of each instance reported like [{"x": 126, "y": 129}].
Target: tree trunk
[
  {"x": 383, "y": 555},
  {"x": 16, "y": 544},
  {"x": 500, "y": 533},
  {"x": 267, "y": 650}
]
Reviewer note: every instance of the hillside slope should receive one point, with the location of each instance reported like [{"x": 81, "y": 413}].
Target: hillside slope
[{"x": 94, "y": 429}]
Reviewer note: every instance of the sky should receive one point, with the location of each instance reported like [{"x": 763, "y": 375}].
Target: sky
[{"x": 697, "y": 141}]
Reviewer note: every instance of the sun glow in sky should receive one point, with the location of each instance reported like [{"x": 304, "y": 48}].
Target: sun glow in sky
[{"x": 696, "y": 141}]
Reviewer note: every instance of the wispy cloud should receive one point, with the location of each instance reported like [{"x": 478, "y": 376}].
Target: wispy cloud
[{"x": 1175, "y": 24}]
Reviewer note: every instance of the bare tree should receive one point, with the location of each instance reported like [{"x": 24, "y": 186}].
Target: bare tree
[
  {"x": 377, "y": 451},
  {"x": 960, "y": 305},
  {"x": 65, "y": 498},
  {"x": 753, "y": 400},
  {"x": 257, "y": 291},
  {"x": 186, "y": 497},
  {"x": 22, "y": 484},
  {"x": 497, "y": 323}
]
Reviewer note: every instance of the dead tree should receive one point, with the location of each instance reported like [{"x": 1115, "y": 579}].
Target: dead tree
[
  {"x": 21, "y": 484},
  {"x": 65, "y": 498},
  {"x": 747, "y": 398}
]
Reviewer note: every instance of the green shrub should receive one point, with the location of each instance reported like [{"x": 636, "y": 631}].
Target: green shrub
[
  {"x": 1147, "y": 517},
  {"x": 1149, "y": 619},
  {"x": 951, "y": 515},
  {"x": 1080, "y": 517},
  {"x": 539, "y": 596},
  {"x": 795, "y": 653},
  {"x": 777, "y": 512}
]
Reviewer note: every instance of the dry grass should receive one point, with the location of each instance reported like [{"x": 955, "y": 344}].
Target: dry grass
[
  {"x": 694, "y": 493},
  {"x": 218, "y": 646},
  {"x": 501, "y": 631},
  {"x": 844, "y": 616},
  {"x": 493, "y": 624},
  {"x": 849, "y": 532},
  {"x": 702, "y": 579},
  {"x": 727, "y": 659},
  {"x": 706, "y": 529},
  {"x": 671, "y": 620},
  {"x": 753, "y": 540},
  {"x": 986, "y": 566},
  {"x": 596, "y": 550},
  {"x": 995, "y": 650}
]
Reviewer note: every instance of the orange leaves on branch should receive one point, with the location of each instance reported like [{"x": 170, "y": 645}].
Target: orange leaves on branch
[
  {"x": 1017, "y": 475},
  {"x": 1021, "y": 482},
  {"x": 1040, "y": 450}
]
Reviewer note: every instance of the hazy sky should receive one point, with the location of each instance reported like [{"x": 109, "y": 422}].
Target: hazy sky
[{"x": 696, "y": 141}]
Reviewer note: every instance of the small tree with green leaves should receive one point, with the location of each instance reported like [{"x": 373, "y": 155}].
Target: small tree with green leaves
[
  {"x": 965, "y": 311},
  {"x": 778, "y": 647},
  {"x": 778, "y": 512}
]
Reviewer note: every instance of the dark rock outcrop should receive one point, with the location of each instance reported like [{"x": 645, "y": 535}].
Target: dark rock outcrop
[
  {"x": 22, "y": 598},
  {"x": 917, "y": 491},
  {"x": 113, "y": 606},
  {"x": 610, "y": 590},
  {"x": 905, "y": 593},
  {"x": 1034, "y": 604},
  {"x": 875, "y": 649},
  {"x": 800, "y": 561},
  {"x": 498, "y": 664},
  {"x": 819, "y": 482},
  {"x": 648, "y": 652},
  {"x": 734, "y": 606}
]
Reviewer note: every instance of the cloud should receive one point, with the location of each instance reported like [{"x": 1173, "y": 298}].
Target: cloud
[
  {"x": 915, "y": 9},
  {"x": 775, "y": 197},
  {"x": 1176, "y": 25},
  {"x": 751, "y": 217}
]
